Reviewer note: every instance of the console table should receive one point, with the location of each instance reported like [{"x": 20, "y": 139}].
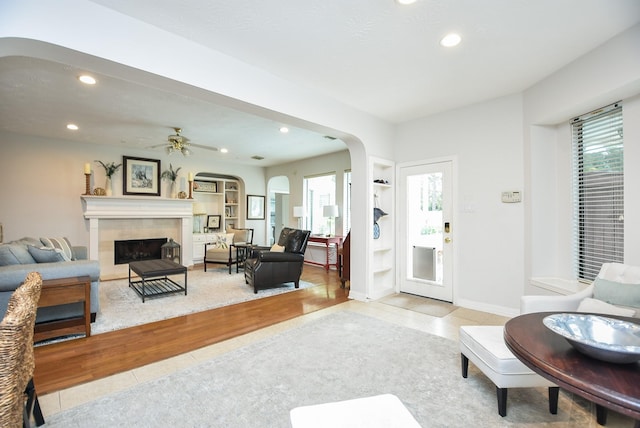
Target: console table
[
  {"x": 328, "y": 241},
  {"x": 608, "y": 385}
]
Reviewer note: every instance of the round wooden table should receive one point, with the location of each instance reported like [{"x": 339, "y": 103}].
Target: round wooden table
[{"x": 608, "y": 385}]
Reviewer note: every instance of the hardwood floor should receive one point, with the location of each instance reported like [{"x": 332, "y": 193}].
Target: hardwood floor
[{"x": 66, "y": 364}]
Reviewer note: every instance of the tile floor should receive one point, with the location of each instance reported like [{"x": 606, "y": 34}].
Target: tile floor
[{"x": 446, "y": 326}]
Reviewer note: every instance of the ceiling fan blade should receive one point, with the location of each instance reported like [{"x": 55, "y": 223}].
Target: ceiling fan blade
[
  {"x": 215, "y": 149},
  {"x": 157, "y": 145}
]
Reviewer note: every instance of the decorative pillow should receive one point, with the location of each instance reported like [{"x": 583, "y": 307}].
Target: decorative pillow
[
  {"x": 616, "y": 293},
  {"x": 600, "y": 307},
  {"x": 62, "y": 244},
  {"x": 46, "y": 255},
  {"x": 223, "y": 240},
  {"x": 277, "y": 248},
  {"x": 14, "y": 254}
]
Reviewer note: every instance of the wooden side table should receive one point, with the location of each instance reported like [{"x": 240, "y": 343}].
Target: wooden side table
[{"x": 60, "y": 292}]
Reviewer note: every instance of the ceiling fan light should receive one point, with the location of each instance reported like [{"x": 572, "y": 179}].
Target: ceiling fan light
[
  {"x": 169, "y": 149},
  {"x": 186, "y": 151}
]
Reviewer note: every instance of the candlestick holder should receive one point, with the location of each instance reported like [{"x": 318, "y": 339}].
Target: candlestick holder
[
  {"x": 87, "y": 184},
  {"x": 190, "y": 189}
]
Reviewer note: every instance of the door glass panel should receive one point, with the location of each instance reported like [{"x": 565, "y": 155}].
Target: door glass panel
[{"x": 425, "y": 227}]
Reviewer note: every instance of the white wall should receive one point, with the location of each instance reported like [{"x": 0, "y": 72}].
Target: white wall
[
  {"x": 41, "y": 181},
  {"x": 492, "y": 140},
  {"x": 25, "y": 24},
  {"x": 606, "y": 75},
  {"x": 487, "y": 141},
  {"x": 338, "y": 162},
  {"x": 522, "y": 142}
]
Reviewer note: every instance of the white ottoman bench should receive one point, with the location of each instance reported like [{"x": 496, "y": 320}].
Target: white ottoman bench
[
  {"x": 380, "y": 411},
  {"x": 484, "y": 346}
]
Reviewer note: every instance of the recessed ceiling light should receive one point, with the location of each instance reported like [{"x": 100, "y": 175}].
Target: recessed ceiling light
[
  {"x": 451, "y": 40},
  {"x": 284, "y": 129},
  {"x": 72, "y": 126},
  {"x": 223, "y": 150},
  {"x": 89, "y": 80},
  {"x": 403, "y": 2}
]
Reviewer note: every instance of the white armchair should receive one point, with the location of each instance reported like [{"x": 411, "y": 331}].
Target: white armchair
[
  {"x": 484, "y": 345},
  {"x": 625, "y": 302},
  {"x": 614, "y": 272}
]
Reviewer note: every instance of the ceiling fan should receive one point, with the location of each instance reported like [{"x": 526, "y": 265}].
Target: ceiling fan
[{"x": 180, "y": 143}]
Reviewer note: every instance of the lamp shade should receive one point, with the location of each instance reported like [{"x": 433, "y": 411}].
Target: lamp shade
[
  {"x": 298, "y": 211},
  {"x": 199, "y": 209},
  {"x": 330, "y": 211}
]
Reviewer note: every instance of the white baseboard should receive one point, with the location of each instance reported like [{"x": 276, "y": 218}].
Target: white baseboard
[{"x": 492, "y": 309}]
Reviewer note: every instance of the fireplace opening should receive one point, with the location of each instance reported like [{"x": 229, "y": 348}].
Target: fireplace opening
[{"x": 134, "y": 250}]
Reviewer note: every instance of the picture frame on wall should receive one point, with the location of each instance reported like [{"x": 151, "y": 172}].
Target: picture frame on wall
[
  {"x": 140, "y": 176},
  {"x": 255, "y": 207},
  {"x": 213, "y": 222}
]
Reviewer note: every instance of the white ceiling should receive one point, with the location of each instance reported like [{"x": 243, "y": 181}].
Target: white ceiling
[{"x": 374, "y": 55}]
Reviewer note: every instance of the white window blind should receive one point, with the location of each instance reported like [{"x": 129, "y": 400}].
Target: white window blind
[{"x": 598, "y": 190}]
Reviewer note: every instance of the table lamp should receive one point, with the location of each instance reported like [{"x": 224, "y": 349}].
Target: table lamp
[
  {"x": 298, "y": 212},
  {"x": 330, "y": 211}
]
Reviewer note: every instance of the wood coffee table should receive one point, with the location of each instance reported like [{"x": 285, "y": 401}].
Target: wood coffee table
[
  {"x": 154, "y": 278},
  {"x": 608, "y": 385}
]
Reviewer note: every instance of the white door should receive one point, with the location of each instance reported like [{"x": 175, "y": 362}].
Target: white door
[{"x": 426, "y": 230}]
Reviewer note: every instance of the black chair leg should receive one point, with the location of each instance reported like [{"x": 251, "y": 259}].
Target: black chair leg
[
  {"x": 502, "y": 401},
  {"x": 554, "y": 391},
  {"x": 32, "y": 407},
  {"x": 464, "y": 364},
  {"x": 601, "y": 414}
]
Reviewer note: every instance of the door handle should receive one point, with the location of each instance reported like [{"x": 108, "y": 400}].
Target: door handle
[{"x": 447, "y": 240}]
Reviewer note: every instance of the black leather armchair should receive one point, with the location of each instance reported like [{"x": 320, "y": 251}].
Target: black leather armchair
[{"x": 266, "y": 268}]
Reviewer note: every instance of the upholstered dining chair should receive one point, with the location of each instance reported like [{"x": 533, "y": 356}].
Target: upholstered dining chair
[{"x": 18, "y": 398}]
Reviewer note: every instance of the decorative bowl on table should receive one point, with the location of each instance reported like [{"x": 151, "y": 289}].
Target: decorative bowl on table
[{"x": 600, "y": 337}]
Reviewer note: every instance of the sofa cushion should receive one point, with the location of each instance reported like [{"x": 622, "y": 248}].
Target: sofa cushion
[
  {"x": 62, "y": 244},
  {"x": 599, "y": 307},
  {"x": 616, "y": 293},
  {"x": 15, "y": 254},
  {"x": 45, "y": 254}
]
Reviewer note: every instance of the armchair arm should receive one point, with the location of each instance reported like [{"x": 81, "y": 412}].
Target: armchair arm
[
  {"x": 571, "y": 302},
  {"x": 274, "y": 256},
  {"x": 254, "y": 251}
]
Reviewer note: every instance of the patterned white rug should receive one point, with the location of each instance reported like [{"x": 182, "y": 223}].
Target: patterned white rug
[
  {"x": 335, "y": 358},
  {"x": 121, "y": 306}
]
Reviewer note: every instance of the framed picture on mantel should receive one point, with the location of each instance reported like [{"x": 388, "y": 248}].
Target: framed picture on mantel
[{"x": 141, "y": 176}]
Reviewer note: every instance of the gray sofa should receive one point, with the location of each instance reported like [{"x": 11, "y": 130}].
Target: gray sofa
[{"x": 17, "y": 260}]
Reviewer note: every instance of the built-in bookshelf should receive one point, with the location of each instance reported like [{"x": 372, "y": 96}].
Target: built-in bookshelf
[{"x": 382, "y": 234}]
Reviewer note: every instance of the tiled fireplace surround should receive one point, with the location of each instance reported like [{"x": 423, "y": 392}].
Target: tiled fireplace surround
[{"x": 130, "y": 217}]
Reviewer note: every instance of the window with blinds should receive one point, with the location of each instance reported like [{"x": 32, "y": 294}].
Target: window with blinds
[{"x": 598, "y": 190}]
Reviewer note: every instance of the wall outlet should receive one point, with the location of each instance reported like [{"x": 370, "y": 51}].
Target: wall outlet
[{"x": 511, "y": 197}]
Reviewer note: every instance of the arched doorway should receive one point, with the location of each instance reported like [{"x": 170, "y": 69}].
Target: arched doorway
[{"x": 278, "y": 207}]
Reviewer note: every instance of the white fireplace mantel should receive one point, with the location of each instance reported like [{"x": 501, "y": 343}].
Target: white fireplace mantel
[{"x": 98, "y": 208}]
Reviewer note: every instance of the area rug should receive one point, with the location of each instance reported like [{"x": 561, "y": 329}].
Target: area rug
[
  {"x": 338, "y": 357},
  {"x": 424, "y": 305},
  {"x": 121, "y": 307}
]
